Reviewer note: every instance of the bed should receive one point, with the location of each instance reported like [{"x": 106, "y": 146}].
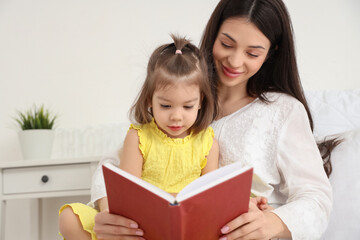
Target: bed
[{"x": 337, "y": 113}]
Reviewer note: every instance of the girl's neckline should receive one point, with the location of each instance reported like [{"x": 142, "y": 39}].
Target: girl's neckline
[{"x": 168, "y": 139}]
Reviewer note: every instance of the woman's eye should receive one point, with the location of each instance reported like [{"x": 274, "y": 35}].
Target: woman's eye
[
  {"x": 188, "y": 107},
  {"x": 225, "y": 45},
  {"x": 252, "y": 55},
  {"x": 165, "y": 106}
]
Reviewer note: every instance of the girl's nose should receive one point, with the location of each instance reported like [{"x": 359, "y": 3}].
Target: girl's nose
[{"x": 175, "y": 115}]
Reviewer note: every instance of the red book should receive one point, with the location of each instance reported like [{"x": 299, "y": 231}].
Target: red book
[{"x": 197, "y": 212}]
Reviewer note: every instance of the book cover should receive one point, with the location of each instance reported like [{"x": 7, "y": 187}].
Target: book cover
[{"x": 197, "y": 212}]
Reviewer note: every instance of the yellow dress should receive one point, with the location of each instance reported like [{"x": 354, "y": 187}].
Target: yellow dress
[
  {"x": 169, "y": 163},
  {"x": 86, "y": 216},
  {"x": 172, "y": 163}
]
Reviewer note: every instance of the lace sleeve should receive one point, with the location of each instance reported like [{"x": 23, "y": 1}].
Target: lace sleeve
[
  {"x": 98, "y": 185},
  {"x": 304, "y": 181}
]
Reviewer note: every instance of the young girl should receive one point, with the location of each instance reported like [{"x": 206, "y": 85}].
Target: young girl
[{"x": 172, "y": 144}]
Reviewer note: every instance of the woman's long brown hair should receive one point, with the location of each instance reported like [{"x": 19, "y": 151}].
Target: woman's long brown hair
[{"x": 279, "y": 72}]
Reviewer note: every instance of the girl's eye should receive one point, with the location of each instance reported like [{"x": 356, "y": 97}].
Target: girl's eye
[
  {"x": 225, "y": 45},
  {"x": 165, "y": 106},
  {"x": 188, "y": 107}
]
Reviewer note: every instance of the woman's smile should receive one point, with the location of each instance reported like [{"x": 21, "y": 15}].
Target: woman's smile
[{"x": 231, "y": 73}]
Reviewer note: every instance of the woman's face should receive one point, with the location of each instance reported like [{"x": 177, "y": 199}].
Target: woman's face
[{"x": 239, "y": 51}]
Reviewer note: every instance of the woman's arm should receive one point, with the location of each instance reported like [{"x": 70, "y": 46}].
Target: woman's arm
[
  {"x": 303, "y": 182},
  {"x": 98, "y": 190}
]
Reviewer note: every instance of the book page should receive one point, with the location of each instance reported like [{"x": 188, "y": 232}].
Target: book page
[
  {"x": 161, "y": 193},
  {"x": 211, "y": 179}
]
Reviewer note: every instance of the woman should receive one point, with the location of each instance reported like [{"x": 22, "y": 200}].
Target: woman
[{"x": 262, "y": 120}]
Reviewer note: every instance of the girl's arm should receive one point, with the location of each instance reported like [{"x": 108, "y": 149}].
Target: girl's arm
[
  {"x": 109, "y": 225},
  {"x": 212, "y": 158},
  {"x": 131, "y": 157}
]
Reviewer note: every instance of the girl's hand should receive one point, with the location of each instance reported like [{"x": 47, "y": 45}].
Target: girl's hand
[
  {"x": 255, "y": 224},
  {"x": 111, "y": 226}
]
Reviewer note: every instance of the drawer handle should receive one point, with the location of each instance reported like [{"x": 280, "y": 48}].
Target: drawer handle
[{"x": 45, "y": 179}]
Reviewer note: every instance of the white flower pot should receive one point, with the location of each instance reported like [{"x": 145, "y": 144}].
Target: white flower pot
[{"x": 36, "y": 143}]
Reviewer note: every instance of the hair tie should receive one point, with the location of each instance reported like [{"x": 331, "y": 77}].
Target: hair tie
[{"x": 178, "y": 51}]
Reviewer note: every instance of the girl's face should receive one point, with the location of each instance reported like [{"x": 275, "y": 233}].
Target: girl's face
[
  {"x": 239, "y": 51},
  {"x": 175, "y": 108}
]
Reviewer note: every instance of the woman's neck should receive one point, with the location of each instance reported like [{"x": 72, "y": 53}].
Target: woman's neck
[{"x": 232, "y": 99}]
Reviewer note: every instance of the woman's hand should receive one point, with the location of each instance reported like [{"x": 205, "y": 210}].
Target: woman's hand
[
  {"x": 261, "y": 203},
  {"x": 112, "y": 226},
  {"x": 255, "y": 224}
]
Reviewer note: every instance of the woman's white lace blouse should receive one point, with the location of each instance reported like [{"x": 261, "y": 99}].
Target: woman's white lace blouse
[{"x": 276, "y": 140}]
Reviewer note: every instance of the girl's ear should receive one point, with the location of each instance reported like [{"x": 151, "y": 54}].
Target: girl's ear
[
  {"x": 149, "y": 103},
  {"x": 201, "y": 100}
]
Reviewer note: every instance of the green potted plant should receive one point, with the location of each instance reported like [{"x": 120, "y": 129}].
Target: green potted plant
[{"x": 37, "y": 135}]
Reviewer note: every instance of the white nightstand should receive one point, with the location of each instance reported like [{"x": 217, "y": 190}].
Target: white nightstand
[{"x": 44, "y": 178}]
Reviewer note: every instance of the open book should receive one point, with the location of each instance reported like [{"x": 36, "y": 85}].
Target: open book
[{"x": 197, "y": 212}]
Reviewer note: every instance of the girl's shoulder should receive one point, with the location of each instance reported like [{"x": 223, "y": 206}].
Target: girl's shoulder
[
  {"x": 206, "y": 135},
  {"x": 145, "y": 126},
  {"x": 208, "y": 132}
]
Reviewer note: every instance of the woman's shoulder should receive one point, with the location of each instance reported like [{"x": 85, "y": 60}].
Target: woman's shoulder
[
  {"x": 282, "y": 100},
  {"x": 283, "y": 105},
  {"x": 278, "y": 96}
]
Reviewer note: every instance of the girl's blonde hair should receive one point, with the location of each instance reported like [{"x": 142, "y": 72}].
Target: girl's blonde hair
[{"x": 169, "y": 64}]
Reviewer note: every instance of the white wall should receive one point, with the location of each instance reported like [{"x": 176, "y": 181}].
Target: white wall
[
  {"x": 327, "y": 38},
  {"x": 86, "y": 60}
]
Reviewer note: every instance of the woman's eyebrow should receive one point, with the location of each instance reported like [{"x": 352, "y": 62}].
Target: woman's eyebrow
[
  {"x": 232, "y": 39},
  {"x": 257, "y": 46},
  {"x": 228, "y": 36}
]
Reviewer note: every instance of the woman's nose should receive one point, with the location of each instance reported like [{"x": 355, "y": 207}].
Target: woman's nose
[{"x": 236, "y": 60}]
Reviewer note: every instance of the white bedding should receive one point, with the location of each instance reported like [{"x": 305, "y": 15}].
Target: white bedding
[
  {"x": 334, "y": 111},
  {"x": 338, "y": 113}
]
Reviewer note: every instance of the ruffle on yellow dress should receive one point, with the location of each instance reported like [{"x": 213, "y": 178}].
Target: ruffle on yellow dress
[
  {"x": 86, "y": 216},
  {"x": 172, "y": 163}
]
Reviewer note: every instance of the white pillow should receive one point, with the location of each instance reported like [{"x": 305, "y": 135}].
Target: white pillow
[
  {"x": 334, "y": 111},
  {"x": 345, "y": 216}
]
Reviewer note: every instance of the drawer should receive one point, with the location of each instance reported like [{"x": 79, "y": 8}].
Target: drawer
[{"x": 59, "y": 178}]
